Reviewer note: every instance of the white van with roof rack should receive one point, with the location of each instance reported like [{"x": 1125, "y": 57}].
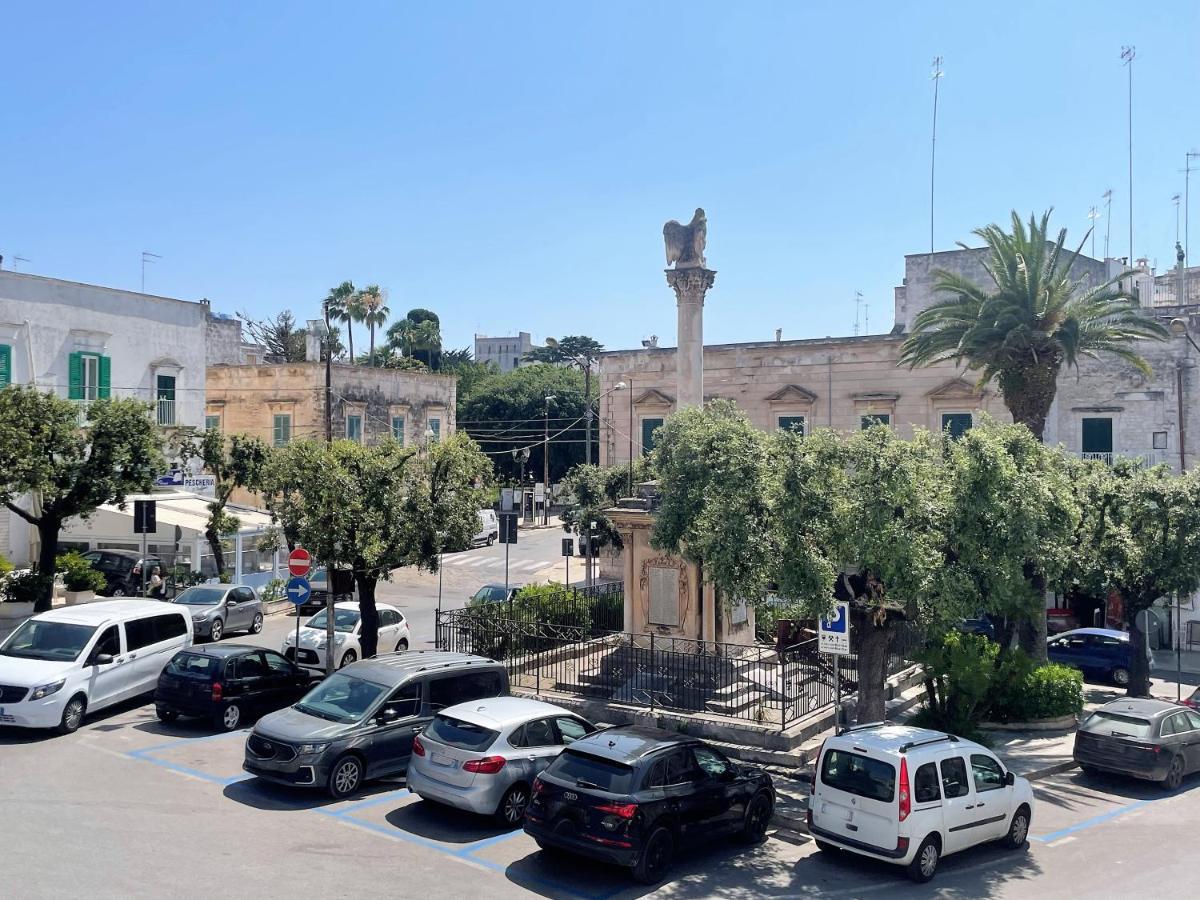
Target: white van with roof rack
[{"x": 910, "y": 796}]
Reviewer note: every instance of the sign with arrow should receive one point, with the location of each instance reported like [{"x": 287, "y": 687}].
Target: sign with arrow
[{"x": 298, "y": 590}]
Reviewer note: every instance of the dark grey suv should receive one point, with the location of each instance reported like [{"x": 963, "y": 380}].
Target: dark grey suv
[{"x": 360, "y": 722}]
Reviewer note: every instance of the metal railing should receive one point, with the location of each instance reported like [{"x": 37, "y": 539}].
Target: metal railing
[
  {"x": 1146, "y": 458},
  {"x": 165, "y": 408}
]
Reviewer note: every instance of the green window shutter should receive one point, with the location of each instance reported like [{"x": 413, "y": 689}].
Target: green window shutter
[
  {"x": 5, "y": 365},
  {"x": 105, "y": 367},
  {"x": 398, "y": 429},
  {"x": 75, "y": 370}
]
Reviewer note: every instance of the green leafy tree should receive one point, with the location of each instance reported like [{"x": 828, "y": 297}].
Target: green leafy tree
[
  {"x": 578, "y": 350},
  {"x": 371, "y": 509},
  {"x": 235, "y": 463},
  {"x": 712, "y": 467},
  {"x": 278, "y": 335},
  {"x": 1039, "y": 317},
  {"x": 70, "y": 470},
  {"x": 451, "y": 359},
  {"x": 863, "y": 519},
  {"x": 593, "y": 490},
  {"x": 344, "y": 306},
  {"x": 375, "y": 313},
  {"x": 1011, "y": 529},
  {"x": 418, "y": 335},
  {"x": 1141, "y": 538}
]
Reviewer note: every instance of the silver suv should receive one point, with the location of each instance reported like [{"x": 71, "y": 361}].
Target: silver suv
[{"x": 360, "y": 722}]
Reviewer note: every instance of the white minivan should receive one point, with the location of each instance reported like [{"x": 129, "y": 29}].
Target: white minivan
[
  {"x": 489, "y": 528},
  {"x": 59, "y": 665},
  {"x": 910, "y": 796}
]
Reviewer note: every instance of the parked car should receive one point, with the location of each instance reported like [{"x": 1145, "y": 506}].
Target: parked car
[
  {"x": 1193, "y": 700},
  {"x": 494, "y": 593},
  {"x": 483, "y": 756},
  {"x": 220, "y": 608},
  {"x": 59, "y": 665},
  {"x": 1098, "y": 652},
  {"x": 910, "y": 796},
  {"x": 980, "y": 624},
  {"x": 122, "y": 570},
  {"x": 360, "y": 722},
  {"x": 489, "y": 529},
  {"x": 227, "y": 684},
  {"x": 394, "y": 634},
  {"x": 632, "y": 796},
  {"x": 1059, "y": 621},
  {"x": 1148, "y": 739}
]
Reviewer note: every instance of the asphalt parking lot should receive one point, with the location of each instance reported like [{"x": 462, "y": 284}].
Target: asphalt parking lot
[{"x": 135, "y": 808}]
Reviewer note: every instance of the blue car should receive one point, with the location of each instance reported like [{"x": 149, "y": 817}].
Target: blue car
[{"x": 1101, "y": 653}]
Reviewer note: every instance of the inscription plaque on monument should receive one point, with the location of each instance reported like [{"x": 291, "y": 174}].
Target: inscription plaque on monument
[{"x": 664, "y": 595}]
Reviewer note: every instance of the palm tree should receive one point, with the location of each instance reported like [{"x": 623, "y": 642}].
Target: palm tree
[
  {"x": 1038, "y": 319},
  {"x": 340, "y": 306},
  {"x": 425, "y": 337},
  {"x": 375, "y": 313}
]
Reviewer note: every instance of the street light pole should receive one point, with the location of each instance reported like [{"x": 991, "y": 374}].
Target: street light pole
[
  {"x": 546, "y": 460},
  {"x": 587, "y": 399}
]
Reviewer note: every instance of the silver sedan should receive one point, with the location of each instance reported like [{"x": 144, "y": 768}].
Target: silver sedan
[{"x": 483, "y": 756}]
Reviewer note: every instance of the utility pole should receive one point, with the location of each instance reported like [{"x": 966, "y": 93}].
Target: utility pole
[
  {"x": 546, "y": 460},
  {"x": 328, "y": 379},
  {"x": 587, "y": 399},
  {"x": 1107, "y": 219},
  {"x": 1187, "y": 177},
  {"x": 937, "y": 77},
  {"x": 1128, "y": 54}
]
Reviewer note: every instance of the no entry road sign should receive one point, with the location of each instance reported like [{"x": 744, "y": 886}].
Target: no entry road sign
[{"x": 299, "y": 562}]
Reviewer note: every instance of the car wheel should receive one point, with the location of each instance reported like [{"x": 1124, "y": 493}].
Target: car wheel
[
  {"x": 656, "y": 857},
  {"x": 72, "y": 716},
  {"x": 165, "y": 714},
  {"x": 1018, "y": 829},
  {"x": 511, "y": 811},
  {"x": 925, "y": 863},
  {"x": 491, "y": 539},
  {"x": 229, "y": 718},
  {"x": 758, "y": 816},
  {"x": 402, "y": 645},
  {"x": 256, "y": 626},
  {"x": 218, "y": 630},
  {"x": 827, "y": 848},
  {"x": 1120, "y": 676},
  {"x": 118, "y": 591},
  {"x": 1090, "y": 771},
  {"x": 348, "y": 657},
  {"x": 1174, "y": 775},
  {"x": 345, "y": 777}
]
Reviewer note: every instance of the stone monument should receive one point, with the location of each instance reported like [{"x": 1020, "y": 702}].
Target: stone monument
[{"x": 690, "y": 280}]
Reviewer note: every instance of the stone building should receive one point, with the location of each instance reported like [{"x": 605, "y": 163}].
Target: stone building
[
  {"x": 507, "y": 353},
  {"x": 226, "y": 344}
]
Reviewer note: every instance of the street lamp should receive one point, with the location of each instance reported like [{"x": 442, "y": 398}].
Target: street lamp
[
  {"x": 546, "y": 459},
  {"x": 1179, "y": 328}
]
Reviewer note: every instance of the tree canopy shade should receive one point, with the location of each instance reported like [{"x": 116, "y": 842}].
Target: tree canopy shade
[
  {"x": 418, "y": 335},
  {"x": 342, "y": 305},
  {"x": 592, "y": 491},
  {"x": 278, "y": 335},
  {"x": 1140, "y": 537},
  {"x": 235, "y": 463},
  {"x": 576, "y": 349},
  {"x": 375, "y": 313},
  {"x": 71, "y": 469},
  {"x": 371, "y": 509},
  {"x": 1041, "y": 315}
]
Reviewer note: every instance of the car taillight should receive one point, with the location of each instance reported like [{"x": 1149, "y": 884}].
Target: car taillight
[
  {"x": 538, "y": 785},
  {"x": 905, "y": 802},
  {"x": 620, "y": 810},
  {"x": 489, "y": 765},
  {"x": 418, "y": 747},
  {"x": 216, "y": 691}
]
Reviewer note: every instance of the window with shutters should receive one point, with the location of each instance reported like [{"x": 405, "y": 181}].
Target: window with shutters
[
  {"x": 282, "y": 432},
  {"x": 164, "y": 396},
  {"x": 354, "y": 431},
  {"x": 212, "y": 423},
  {"x": 398, "y": 429},
  {"x": 435, "y": 425},
  {"x": 89, "y": 377},
  {"x": 5, "y": 365},
  {"x": 649, "y": 426}
]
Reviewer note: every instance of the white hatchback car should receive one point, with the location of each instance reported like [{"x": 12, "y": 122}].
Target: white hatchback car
[
  {"x": 910, "y": 796},
  {"x": 347, "y": 626}
]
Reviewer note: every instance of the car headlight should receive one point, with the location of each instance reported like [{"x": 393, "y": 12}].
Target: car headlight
[
  {"x": 46, "y": 690},
  {"x": 312, "y": 748},
  {"x": 340, "y": 638}
]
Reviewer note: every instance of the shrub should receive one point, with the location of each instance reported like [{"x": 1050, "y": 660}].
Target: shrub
[
  {"x": 767, "y": 616},
  {"x": 1046, "y": 692},
  {"x": 958, "y": 677},
  {"x": 27, "y": 586},
  {"x": 5, "y": 566},
  {"x": 78, "y": 574}
]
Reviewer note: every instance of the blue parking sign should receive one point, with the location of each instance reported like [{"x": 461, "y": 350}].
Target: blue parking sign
[{"x": 834, "y": 632}]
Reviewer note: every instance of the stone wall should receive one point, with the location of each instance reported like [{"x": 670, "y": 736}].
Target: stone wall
[{"x": 223, "y": 341}]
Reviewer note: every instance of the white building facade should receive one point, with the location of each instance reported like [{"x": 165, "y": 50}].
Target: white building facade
[
  {"x": 506, "y": 353},
  {"x": 85, "y": 342}
]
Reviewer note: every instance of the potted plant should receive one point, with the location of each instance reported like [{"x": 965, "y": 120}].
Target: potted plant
[
  {"x": 19, "y": 591},
  {"x": 80, "y": 579}
]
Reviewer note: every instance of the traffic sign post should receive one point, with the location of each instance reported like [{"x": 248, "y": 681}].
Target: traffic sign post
[
  {"x": 833, "y": 637},
  {"x": 145, "y": 521},
  {"x": 298, "y": 590},
  {"x": 568, "y": 550},
  {"x": 508, "y": 535},
  {"x": 299, "y": 562}
]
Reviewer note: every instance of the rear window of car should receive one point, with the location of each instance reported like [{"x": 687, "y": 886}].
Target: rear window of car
[
  {"x": 591, "y": 771},
  {"x": 857, "y": 774},
  {"x": 1103, "y": 722},
  {"x": 460, "y": 734},
  {"x": 193, "y": 664}
]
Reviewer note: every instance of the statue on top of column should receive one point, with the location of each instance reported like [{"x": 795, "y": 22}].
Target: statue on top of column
[{"x": 685, "y": 243}]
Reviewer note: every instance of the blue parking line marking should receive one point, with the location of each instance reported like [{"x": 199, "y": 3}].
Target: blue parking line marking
[
  {"x": 187, "y": 770},
  {"x": 191, "y": 740},
  {"x": 374, "y": 801},
  {"x": 1088, "y": 823},
  {"x": 494, "y": 839}
]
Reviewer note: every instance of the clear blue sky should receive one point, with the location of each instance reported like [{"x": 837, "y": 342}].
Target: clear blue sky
[{"x": 510, "y": 165}]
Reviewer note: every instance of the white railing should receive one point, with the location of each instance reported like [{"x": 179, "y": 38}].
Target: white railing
[
  {"x": 1146, "y": 458},
  {"x": 166, "y": 411}
]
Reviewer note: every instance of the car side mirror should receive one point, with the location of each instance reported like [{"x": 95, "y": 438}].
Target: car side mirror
[
  {"x": 387, "y": 716},
  {"x": 729, "y": 774},
  {"x": 1010, "y": 779},
  {"x": 102, "y": 659}
]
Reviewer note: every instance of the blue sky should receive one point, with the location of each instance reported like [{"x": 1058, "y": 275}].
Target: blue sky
[{"x": 510, "y": 165}]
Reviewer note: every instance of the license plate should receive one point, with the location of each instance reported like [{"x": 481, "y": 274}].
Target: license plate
[{"x": 440, "y": 759}]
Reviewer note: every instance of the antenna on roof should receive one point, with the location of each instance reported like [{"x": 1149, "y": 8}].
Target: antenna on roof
[
  {"x": 147, "y": 257},
  {"x": 18, "y": 259},
  {"x": 857, "y": 311}
]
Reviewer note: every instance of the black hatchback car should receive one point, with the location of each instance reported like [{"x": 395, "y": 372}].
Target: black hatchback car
[
  {"x": 1149, "y": 739},
  {"x": 122, "y": 570},
  {"x": 633, "y": 796},
  {"x": 227, "y": 684}
]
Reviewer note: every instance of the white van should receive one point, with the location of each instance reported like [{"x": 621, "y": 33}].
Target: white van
[
  {"x": 489, "y": 528},
  {"x": 910, "y": 796},
  {"x": 59, "y": 665}
]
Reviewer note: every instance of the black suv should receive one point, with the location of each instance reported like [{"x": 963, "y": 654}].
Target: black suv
[
  {"x": 122, "y": 570},
  {"x": 632, "y": 795}
]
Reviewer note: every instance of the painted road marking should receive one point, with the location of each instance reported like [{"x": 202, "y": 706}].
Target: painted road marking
[{"x": 1093, "y": 821}]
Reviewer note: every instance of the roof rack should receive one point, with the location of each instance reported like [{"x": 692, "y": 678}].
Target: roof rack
[
  {"x": 865, "y": 725},
  {"x": 904, "y": 748}
]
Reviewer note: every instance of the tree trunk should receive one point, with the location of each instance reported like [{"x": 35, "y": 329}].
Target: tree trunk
[
  {"x": 350, "y": 339},
  {"x": 1139, "y": 666},
  {"x": 874, "y": 643},
  {"x": 214, "y": 544},
  {"x": 1028, "y": 393},
  {"x": 369, "y": 629},
  {"x": 371, "y": 352},
  {"x": 48, "y": 528}
]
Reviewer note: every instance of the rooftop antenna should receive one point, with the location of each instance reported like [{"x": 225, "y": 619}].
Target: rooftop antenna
[
  {"x": 1128, "y": 54},
  {"x": 147, "y": 257},
  {"x": 857, "y": 311},
  {"x": 866, "y": 318},
  {"x": 937, "y": 77},
  {"x": 17, "y": 260},
  {"x": 1187, "y": 177},
  {"x": 1093, "y": 214},
  {"x": 1107, "y": 197},
  {"x": 1175, "y": 200}
]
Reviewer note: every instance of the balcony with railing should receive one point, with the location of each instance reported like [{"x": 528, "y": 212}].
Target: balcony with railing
[
  {"x": 165, "y": 410},
  {"x": 1146, "y": 458}
]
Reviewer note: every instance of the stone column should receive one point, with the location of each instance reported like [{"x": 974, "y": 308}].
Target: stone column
[{"x": 690, "y": 285}]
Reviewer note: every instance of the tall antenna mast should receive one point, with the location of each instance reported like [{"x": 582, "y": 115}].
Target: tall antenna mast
[
  {"x": 1107, "y": 219},
  {"x": 937, "y": 77},
  {"x": 1187, "y": 178},
  {"x": 857, "y": 310},
  {"x": 1175, "y": 199},
  {"x": 1128, "y": 54},
  {"x": 866, "y": 318},
  {"x": 17, "y": 260},
  {"x": 147, "y": 257},
  {"x": 1093, "y": 214}
]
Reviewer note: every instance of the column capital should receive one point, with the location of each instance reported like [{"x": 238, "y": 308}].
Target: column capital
[{"x": 690, "y": 284}]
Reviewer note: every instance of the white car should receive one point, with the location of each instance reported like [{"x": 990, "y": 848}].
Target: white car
[
  {"x": 59, "y": 665},
  {"x": 910, "y": 796},
  {"x": 347, "y": 626}
]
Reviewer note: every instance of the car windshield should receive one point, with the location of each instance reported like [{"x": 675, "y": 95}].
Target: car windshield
[
  {"x": 460, "y": 734},
  {"x": 194, "y": 664},
  {"x": 591, "y": 771},
  {"x": 489, "y": 594},
  {"x": 201, "y": 596},
  {"x": 1118, "y": 725},
  {"x": 860, "y": 775},
  {"x": 343, "y": 620},
  {"x": 340, "y": 698},
  {"x": 39, "y": 639}
]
